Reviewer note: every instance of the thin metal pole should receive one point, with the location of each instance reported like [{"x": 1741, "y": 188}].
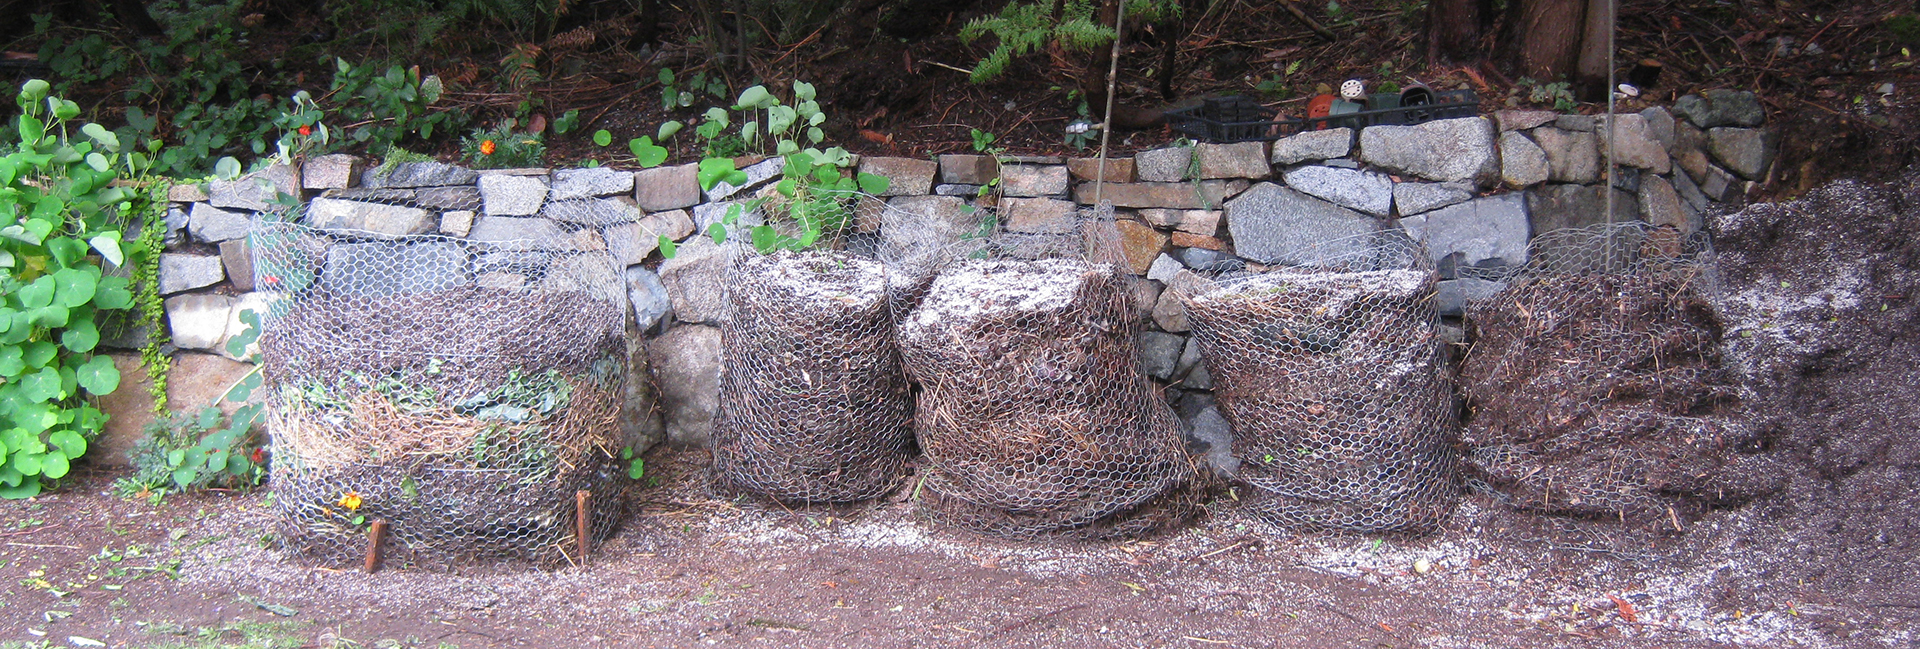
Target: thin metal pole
[
  {"x": 1113, "y": 78},
  {"x": 1613, "y": 28}
]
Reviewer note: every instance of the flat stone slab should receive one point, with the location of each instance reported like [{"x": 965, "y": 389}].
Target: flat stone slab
[
  {"x": 667, "y": 188},
  {"x": 377, "y": 218},
  {"x": 198, "y": 321},
  {"x": 1485, "y": 232},
  {"x": 1040, "y": 215},
  {"x": 390, "y": 268},
  {"x": 1448, "y": 150},
  {"x": 958, "y": 169},
  {"x": 592, "y": 211},
  {"x": 1415, "y": 198},
  {"x": 182, "y": 272},
  {"x": 1033, "y": 180},
  {"x": 1275, "y": 225},
  {"x": 905, "y": 176},
  {"x": 1168, "y": 165},
  {"x": 1366, "y": 191},
  {"x": 419, "y": 174},
  {"x": 214, "y": 225},
  {"x": 512, "y": 195},
  {"x": 590, "y": 183},
  {"x": 1312, "y": 145},
  {"x": 1236, "y": 160}
]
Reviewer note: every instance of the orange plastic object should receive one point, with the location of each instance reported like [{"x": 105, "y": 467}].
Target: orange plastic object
[{"x": 1320, "y": 106}]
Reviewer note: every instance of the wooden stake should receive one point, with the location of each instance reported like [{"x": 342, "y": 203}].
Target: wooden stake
[
  {"x": 580, "y": 523},
  {"x": 375, "y": 533}
]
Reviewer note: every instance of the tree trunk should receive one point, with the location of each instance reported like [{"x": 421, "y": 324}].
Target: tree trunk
[
  {"x": 1590, "y": 77},
  {"x": 1549, "y": 34},
  {"x": 133, "y": 14},
  {"x": 1454, "y": 28}
]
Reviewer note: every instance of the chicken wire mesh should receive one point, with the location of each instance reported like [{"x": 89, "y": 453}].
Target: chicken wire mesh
[
  {"x": 1331, "y": 376},
  {"x": 814, "y": 404},
  {"x": 1595, "y": 381},
  {"x": 462, "y": 391},
  {"x": 1034, "y": 417}
]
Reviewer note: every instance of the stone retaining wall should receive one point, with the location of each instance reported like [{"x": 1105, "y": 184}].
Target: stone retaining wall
[{"x": 1474, "y": 190}]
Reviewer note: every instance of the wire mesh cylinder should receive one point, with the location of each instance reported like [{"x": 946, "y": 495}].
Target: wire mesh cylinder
[
  {"x": 1595, "y": 381},
  {"x": 1332, "y": 379},
  {"x": 1034, "y": 417},
  {"x": 814, "y": 405},
  {"x": 462, "y": 391}
]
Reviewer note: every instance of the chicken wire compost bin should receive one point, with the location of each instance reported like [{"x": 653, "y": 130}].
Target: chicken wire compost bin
[
  {"x": 1034, "y": 417},
  {"x": 461, "y": 391},
  {"x": 1595, "y": 380},
  {"x": 814, "y": 404},
  {"x": 1331, "y": 375}
]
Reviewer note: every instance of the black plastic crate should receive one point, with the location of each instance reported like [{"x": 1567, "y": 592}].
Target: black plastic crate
[{"x": 1241, "y": 119}]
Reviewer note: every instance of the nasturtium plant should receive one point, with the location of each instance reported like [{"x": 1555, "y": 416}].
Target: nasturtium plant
[{"x": 61, "y": 218}]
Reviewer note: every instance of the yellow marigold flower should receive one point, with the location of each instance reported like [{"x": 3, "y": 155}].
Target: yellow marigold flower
[{"x": 351, "y": 501}]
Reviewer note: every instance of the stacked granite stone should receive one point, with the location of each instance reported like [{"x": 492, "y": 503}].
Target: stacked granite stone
[{"x": 1473, "y": 190}]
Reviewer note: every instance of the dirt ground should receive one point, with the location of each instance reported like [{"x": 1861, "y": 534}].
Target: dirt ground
[{"x": 1819, "y": 305}]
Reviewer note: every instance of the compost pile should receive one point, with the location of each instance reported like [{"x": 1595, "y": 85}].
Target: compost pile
[
  {"x": 1034, "y": 417},
  {"x": 465, "y": 416},
  {"x": 1331, "y": 376},
  {"x": 1595, "y": 378},
  {"x": 814, "y": 405}
]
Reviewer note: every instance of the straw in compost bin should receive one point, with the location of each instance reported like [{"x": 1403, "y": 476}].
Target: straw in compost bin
[
  {"x": 1601, "y": 393},
  {"x": 1034, "y": 417},
  {"x": 466, "y": 417},
  {"x": 1333, "y": 386},
  {"x": 814, "y": 405}
]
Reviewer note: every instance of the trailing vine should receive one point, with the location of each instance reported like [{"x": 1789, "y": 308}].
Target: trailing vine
[{"x": 143, "y": 261}]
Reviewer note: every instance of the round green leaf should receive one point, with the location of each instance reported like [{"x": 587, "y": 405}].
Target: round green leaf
[
  {"x": 42, "y": 386},
  {"x": 31, "y": 129},
  {"x": 80, "y": 337},
  {"x": 109, "y": 246},
  {"x": 98, "y": 162},
  {"x": 38, "y": 293},
  {"x": 113, "y": 294},
  {"x": 602, "y": 137},
  {"x": 754, "y": 97},
  {"x": 70, "y": 444},
  {"x": 38, "y": 353},
  {"x": 63, "y": 108},
  {"x": 10, "y": 362},
  {"x": 217, "y": 460},
  {"x": 227, "y": 167},
  {"x": 873, "y": 184},
  {"x": 34, "y": 417},
  {"x": 98, "y": 376},
  {"x": 184, "y": 477},
  {"x": 28, "y": 488},
  {"x": 33, "y": 90},
  {"x": 48, "y": 316},
  {"x": 74, "y": 287},
  {"x": 28, "y": 463},
  {"x": 54, "y": 466},
  {"x": 667, "y": 129},
  {"x": 803, "y": 91}
]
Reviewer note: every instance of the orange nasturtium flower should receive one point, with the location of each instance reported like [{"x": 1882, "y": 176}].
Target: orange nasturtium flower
[
  {"x": 306, "y": 129},
  {"x": 486, "y": 147},
  {"x": 351, "y": 501}
]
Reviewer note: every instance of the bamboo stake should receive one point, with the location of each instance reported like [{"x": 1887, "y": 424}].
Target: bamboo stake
[
  {"x": 375, "y": 533},
  {"x": 580, "y": 525}
]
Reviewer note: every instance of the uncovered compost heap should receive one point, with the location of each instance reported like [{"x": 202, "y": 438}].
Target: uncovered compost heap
[
  {"x": 1034, "y": 418},
  {"x": 1600, "y": 391},
  {"x": 446, "y": 415},
  {"x": 1332, "y": 382},
  {"x": 814, "y": 405}
]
